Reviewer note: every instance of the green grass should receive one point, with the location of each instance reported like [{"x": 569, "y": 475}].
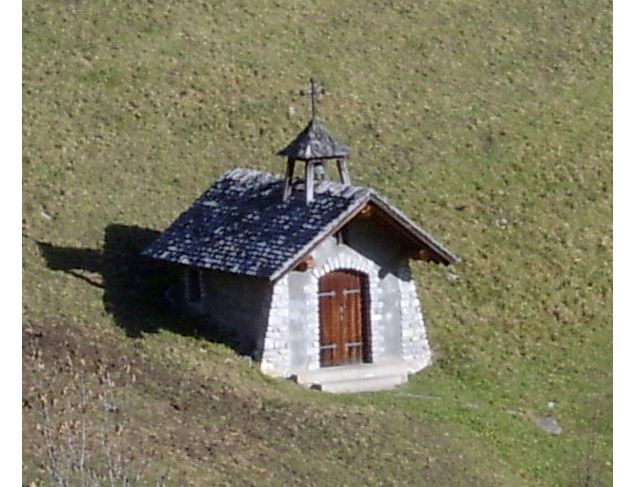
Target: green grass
[{"x": 461, "y": 113}]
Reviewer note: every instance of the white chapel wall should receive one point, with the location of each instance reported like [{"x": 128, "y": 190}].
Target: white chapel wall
[{"x": 397, "y": 327}]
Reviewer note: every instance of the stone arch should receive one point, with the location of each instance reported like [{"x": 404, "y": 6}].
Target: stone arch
[{"x": 353, "y": 263}]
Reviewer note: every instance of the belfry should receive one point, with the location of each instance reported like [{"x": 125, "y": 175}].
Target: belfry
[{"x": 314, "y": 146}]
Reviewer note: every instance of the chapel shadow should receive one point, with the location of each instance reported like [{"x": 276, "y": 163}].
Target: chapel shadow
[{"x": 134, "y": 286}]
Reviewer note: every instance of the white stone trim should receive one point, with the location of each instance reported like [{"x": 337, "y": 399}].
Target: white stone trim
[
  {"x": 355, "y": 262},
  {"x": 276, "y": 356},
  {"x": 415, "y": 348}
]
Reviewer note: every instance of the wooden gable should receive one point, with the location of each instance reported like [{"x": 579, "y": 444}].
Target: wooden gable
[{"x": 419, "y": 247}]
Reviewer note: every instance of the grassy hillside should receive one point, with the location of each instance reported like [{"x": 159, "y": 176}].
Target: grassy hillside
[{"x": 487, "y": 122}]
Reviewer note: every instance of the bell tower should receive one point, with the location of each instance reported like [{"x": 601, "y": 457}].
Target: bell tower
[{"x": 314, "y": 147}]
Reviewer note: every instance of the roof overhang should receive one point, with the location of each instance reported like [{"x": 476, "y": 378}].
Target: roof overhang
[
  {"x": 425, "y": 247},
  {"x": 421, "y": 244}
]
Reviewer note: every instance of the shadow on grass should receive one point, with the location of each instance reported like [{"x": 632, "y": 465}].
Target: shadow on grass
[{"x": 134, "y": 286}]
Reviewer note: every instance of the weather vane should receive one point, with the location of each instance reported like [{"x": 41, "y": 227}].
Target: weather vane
[{"x": 314, "y": 92}]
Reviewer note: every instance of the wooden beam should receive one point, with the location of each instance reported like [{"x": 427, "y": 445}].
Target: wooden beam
[
  {"x": 305, "y": 264},
  {"x": 287, "y": 179},
  {"x": 308, "y": 181},
  {"x": 366, "y": 212},
  {"x": 343, "y": 170},
  {"x": 421, "y": 254}
]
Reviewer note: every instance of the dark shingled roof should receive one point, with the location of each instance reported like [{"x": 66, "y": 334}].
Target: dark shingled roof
[
  {"x": 241, "y": 225},
  {"x": 315, "y": 142}
]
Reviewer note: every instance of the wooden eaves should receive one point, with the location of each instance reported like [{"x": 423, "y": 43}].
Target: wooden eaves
[{"x": 422, "y": 245}]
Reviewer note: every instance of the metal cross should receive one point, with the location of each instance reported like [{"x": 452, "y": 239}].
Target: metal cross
[{"x": 314, "y": 92}]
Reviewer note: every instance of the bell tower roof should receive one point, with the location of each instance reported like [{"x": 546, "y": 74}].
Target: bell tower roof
[
  {"x": 315, "y": 142},
  {"x": 313, "y": 147}
]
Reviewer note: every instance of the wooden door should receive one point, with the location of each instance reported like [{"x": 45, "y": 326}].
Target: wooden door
[{"x": 343, "y": 323}]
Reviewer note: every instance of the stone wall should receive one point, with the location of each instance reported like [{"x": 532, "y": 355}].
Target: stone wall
[
  {"x": 276, "y": 348},
  {"x": 239, "y": 304},
  {"x": 282, "y": 319},
  {"x": 396, "y": 324},
  {"x": 415, "y": 347}
]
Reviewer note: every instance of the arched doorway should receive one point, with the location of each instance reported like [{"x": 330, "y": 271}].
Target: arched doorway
[{"x": 344, "y": 330}]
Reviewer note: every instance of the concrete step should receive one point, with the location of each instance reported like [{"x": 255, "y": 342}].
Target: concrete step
[
  {"x": 363, "y": 385},
  {"x": 357, "y": 377}
]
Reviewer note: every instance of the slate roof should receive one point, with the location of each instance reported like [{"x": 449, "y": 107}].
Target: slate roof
[
  {"x": 241, "y": 225},
  {"x": 315, "y": 142}
]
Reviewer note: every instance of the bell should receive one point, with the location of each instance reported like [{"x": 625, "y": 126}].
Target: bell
[{"x": 319, "y": 171}]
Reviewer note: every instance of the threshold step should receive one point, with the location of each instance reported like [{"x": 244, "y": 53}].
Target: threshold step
[
  {"x": 354, "y": 372},
  {"x": 362, "y": 384}
]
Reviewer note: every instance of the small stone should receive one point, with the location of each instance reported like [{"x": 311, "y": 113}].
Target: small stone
[
  {"x": 511, "y": 412},
  {"x": 549, "y": 424},
  {"x": 450, "y": 276},
  {"x": 501, "y": 222}
]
